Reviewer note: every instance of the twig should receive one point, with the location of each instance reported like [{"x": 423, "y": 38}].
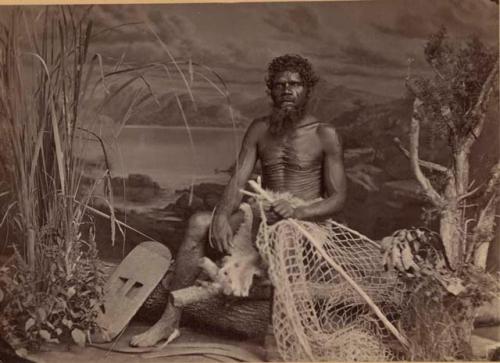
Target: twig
[
  {"x": 469, "y": 193},
  {"x": 261, "y": 192},
  {"x": 465, "y": 206},
  {"x": 426, "y": 164}
]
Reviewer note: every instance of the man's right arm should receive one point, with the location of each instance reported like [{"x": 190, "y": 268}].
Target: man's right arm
[{"x": 232, "y": 196}]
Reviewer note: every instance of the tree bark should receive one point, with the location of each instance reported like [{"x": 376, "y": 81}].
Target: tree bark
[
  {"x": 481, "y": 255},
  {"x": 461, "y": 160},
  {"x": 430, "y": 192},
  {"x": 485, "y": 227},
  {"x": 244, "y": 317},
  {"x": 452, "y": 222},
  {"x": 451, "y": 235},
  {"x": 484, "y": 233}
]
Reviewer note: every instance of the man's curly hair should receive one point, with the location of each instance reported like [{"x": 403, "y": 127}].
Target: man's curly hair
[{"x": 292, "y": 62}]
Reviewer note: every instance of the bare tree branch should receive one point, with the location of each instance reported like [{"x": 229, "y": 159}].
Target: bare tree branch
[
  {"x": 469, "y": 193},
  {"x": 484, "y": 232},
  {"x": 429, "y": 190},
  {"x": 478, "y": 109},
  {"x": 425, "y": 164}
]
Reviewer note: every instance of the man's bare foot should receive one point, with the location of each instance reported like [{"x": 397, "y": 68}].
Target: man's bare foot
[{"x": 162, "y": 329}]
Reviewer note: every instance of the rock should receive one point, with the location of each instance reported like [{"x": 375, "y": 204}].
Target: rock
[
  {"x": 205, "y": 197},
  {"x": 211, "y": 200},
  {"x": 136, "y": 188},
  {"x": 204, "y": 189},
  {"x": 134, "y": 181},
  {"x": 141, "y": 180},
  {"x": 394, "y": 163},
  {"x": 359, "y": 155},
  {"x": 139, "y": 195},
  {"x": 409, "y": 189},
  {"x": 169, "y": 208},
  {"x": 365, "y": 175},
  {"x": 182, "y": 203}
]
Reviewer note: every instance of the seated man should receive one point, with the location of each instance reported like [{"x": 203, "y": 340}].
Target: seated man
[{"x": 298, "y": 154}]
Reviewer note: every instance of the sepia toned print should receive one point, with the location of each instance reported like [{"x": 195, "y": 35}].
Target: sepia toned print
[{"x": 297, "y": 181}]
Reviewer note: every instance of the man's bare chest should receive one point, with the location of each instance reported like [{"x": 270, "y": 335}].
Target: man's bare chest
[{"x": 298, "y": 151}]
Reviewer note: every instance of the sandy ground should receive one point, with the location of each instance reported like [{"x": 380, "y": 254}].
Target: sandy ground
[
  {"x": 73, "y": 354},
  {"x": 484, "y": 340}
]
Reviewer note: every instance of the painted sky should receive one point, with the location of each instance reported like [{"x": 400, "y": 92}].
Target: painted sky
[{"x": 362, "y": 44}]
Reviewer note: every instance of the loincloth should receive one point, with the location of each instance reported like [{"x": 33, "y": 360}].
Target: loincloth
[{"x": 236, "y": 272}]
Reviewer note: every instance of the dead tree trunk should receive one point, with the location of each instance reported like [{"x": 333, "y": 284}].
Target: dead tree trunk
[
  {"x": 484, "y": 229},
  {"x": 460, "y": 246},
  {"x": 244, "y": 317},
  {"x": 449, "y": 229}
]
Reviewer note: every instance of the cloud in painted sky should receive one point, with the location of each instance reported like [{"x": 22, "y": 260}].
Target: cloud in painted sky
[
  {"x": 298, "y": 21},
  {"x": 418, "y": 19},
  {"x": 361, "y": 43},
  {"x": 406, "y": 25},
  {"x": 355, "y": 53},
  {"x": 136, "y": 25}
]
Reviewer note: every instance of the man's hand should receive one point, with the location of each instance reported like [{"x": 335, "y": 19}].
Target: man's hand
[
  {"x": 222, "y": 233},
  {"x": 284, "y": 208}
]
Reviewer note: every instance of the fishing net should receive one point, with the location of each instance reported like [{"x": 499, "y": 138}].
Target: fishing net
[{"x": 317, "y": 314}]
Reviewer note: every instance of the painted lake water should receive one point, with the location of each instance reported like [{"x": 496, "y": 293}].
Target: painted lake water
[{"x": 166, "y": 155}]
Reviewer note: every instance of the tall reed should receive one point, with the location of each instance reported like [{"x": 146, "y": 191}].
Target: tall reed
[
  {"x": 39, "y": 98},
  {"x": 45, "y": 76},
  {"x": 52, "y": 91}
]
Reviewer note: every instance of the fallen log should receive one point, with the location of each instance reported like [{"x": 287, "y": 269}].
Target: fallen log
[
  {"x": 235, "y": 316},
  {"x": 207, "y": 308}
]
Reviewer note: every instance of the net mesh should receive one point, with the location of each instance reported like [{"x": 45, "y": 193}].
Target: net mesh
[{"x": 317, "y": 314}]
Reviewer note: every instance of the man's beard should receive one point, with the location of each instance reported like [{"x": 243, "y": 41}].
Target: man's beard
[{"x": 282, "y": 119}]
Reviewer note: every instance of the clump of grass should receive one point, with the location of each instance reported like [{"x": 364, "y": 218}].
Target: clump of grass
[
  {"x": 54, "y": 305},
  {"x": 49, "y": 97},
  {"x": 52, "y": 284},
  {"x": 438, "y": 324}
]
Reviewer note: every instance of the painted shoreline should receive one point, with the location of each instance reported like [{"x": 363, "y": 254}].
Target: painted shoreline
[{"x": 201, "y": 128}]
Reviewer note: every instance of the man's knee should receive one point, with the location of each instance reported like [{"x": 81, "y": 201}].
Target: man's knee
[{"x": 198, "y": 224}]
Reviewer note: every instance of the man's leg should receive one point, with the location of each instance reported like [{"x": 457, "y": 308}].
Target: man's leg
[{"x": 185, "y": 274}]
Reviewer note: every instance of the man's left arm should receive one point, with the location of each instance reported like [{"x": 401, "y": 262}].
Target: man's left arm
[{"x": 334, "y": 178}]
